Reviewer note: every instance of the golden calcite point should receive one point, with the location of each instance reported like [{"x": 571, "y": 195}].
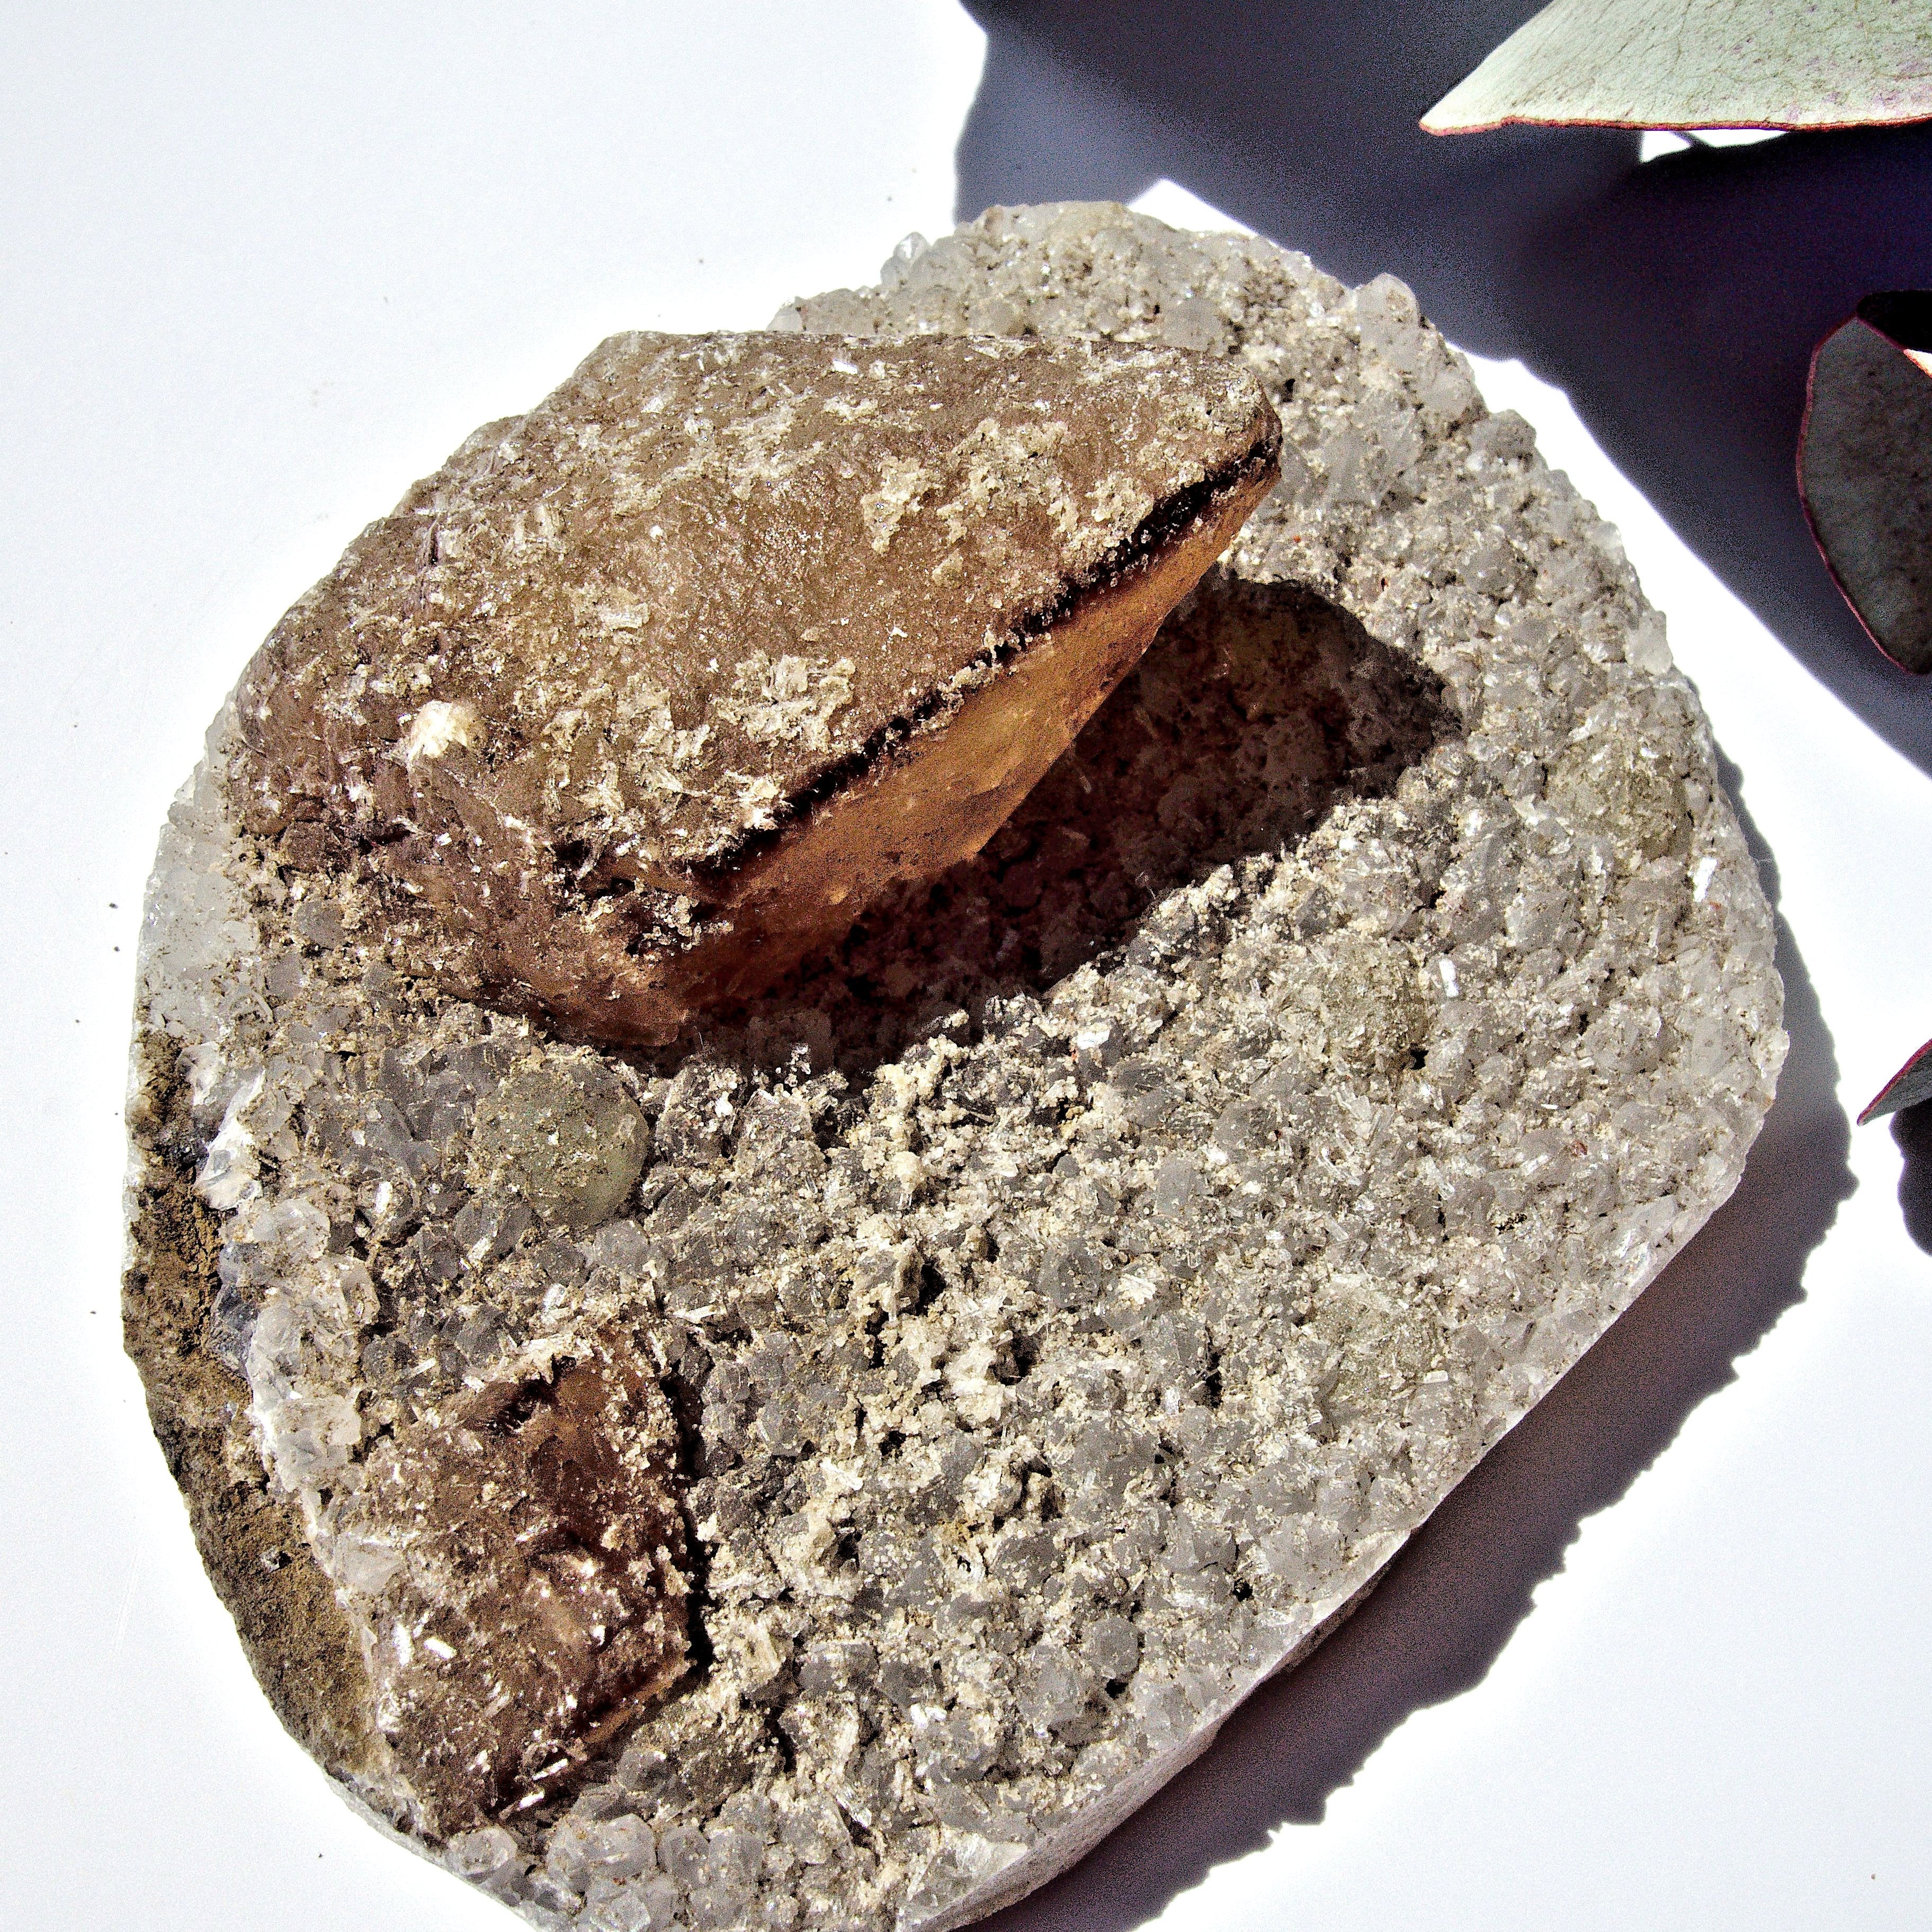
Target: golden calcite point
[{"x": 646, "y": 695}]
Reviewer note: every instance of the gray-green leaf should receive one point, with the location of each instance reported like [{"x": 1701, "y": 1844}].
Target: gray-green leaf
[{"x": 1703, "y": 63}]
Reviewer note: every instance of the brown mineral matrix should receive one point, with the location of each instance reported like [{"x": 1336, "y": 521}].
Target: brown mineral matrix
[
  {"x": 643, "y": 697},
  {"x": 518, "y": 1569}
]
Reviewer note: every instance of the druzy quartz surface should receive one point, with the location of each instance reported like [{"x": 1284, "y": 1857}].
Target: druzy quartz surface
[{"x": 1032, "y": 1328}]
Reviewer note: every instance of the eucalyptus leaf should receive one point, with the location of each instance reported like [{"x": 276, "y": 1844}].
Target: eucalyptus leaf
[
  {"x": 1907, "y": 1088},
  {"x": 1703, "y": 63},
  {"x": 1865, "y": 469}
]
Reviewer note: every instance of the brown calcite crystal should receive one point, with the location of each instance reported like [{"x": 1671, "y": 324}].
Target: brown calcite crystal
[
  {"x": 517, "y": 1569},
  {"x": 644, "y": 696}
]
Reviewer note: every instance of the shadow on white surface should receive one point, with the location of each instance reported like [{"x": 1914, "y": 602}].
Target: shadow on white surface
[
  {"x": 1911, "y": 1129},
  {"x": 1449, "y": 1604},
  {"x": 1677, "y": 301}
]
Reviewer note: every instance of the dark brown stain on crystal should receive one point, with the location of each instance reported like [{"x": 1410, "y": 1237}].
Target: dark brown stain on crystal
[{"x": 301, "y": 1647}]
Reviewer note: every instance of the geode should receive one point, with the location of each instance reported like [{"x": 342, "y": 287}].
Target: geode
[{"x": 938, "y": 1393}]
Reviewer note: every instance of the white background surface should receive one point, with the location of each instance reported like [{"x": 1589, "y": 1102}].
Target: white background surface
[{"x": 1662, "y": 1663}]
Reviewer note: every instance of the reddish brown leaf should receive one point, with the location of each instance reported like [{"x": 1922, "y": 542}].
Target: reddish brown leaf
[{"x": 1910, "y": 1084}]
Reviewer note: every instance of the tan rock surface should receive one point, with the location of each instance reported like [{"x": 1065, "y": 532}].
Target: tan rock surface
[{"x": 646, "y": 695}]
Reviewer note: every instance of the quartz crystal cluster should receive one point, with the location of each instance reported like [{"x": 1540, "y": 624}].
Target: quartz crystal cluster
[{"x": 851, "y": 1456}]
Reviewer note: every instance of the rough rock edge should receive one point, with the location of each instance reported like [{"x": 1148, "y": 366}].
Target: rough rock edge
[{"x": 296, "y": 1637}]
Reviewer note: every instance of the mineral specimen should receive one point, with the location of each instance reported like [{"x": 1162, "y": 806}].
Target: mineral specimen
[
  {"x": 1066, "y": 1298},
  {"x": 644, "y": 696}
]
